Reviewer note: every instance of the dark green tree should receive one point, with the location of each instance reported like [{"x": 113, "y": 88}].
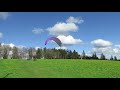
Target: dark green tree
[
  {"x": 1, "y": 51},
  {"x": 44, "y": 55},
  {"x": 69, "y": 54},
  {"x": 30, "y": 53},
  {"x": 102, "y": 57},
  {"x": 5, "y": 53},
  {"x": 15, "y": 53},
  {"x": 115, "y": 58},
  {"x": 75, "y": 55},
  {"x": 39, "y": 53},
  {"x": 111, "y": 58},
  {"x": 83, "y": 55},
  {"x": 94, "y": 56}
]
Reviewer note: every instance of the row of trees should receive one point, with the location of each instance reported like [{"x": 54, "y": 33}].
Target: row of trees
[{"x": 7, "y": 52}]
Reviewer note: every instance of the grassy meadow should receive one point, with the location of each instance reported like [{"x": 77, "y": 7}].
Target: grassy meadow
[{"x": 59, "y": 68}]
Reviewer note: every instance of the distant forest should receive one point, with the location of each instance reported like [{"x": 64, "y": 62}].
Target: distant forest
[{"x": 7, "y": 52}]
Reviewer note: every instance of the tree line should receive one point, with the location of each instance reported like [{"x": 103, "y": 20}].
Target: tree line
[{"x": 7, "y": 52}]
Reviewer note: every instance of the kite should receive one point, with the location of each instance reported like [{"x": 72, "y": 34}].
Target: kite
[{"x": 54, "y": 39}]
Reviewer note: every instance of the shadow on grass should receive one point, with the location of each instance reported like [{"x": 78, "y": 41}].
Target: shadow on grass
[{"x": 7, "y": 75}]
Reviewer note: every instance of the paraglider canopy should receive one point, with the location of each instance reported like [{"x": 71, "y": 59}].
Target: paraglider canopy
[{"x": 54, "y": 39}]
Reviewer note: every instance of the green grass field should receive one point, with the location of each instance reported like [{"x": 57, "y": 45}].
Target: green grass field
[{"x": 60, "y": 69}]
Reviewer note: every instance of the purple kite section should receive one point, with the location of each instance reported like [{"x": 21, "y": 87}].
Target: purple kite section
[{"x": 54, "y": 39}]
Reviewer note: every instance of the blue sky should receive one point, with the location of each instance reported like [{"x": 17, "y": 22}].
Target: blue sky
[{"x": 101, "y": 28}]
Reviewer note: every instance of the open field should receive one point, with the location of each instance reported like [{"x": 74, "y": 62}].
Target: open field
[{"x": 60, "y": 69}]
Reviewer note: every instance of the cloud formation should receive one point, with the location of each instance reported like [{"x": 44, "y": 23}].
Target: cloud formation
[
  {"x": 11, "y": 44},
  {"x": 63, "y": 47},
  {"x": 69, "y": 40},
  {"x": 1, "y": 35},
  {"x": 105, "y": 47},
  {"x": 37, "y": 30},
  {"x": 62, "y": 31},
  {"x": 101, "y": 43},
  {"x": 36, "y": 48},
  {"x": 76, "y": 20},
  {"x": 63, "y": 28},
  {"x": 108, "y": 51}
]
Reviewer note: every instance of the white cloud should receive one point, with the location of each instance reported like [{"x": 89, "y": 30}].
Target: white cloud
[
  {"x": 108, "y": 51},
  {"x": 117, "y": 46},
  {"x": 101, "y": 43},
  {"x": 105, "y": 47},
  {"x": 117, "y": 49},
  {"x": 88, "y": 54},
  {"x": 63, "y": 47},
  {"x": 1, "y": 35},
  {"x": 37, "y": 30},
  {"x": 69, "y": 40},
  {"x": 62, "y": 28},
  {"x": 20, "y": 46},
  {"x": 36, "y": 48},
  {"x": 4, "y": 15},
  {"x": 11, "y": 45},
  {"x": 102, "y": 49},
  {"x": 2, "y": 44},
  {"x": 72, "y": 19}
]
